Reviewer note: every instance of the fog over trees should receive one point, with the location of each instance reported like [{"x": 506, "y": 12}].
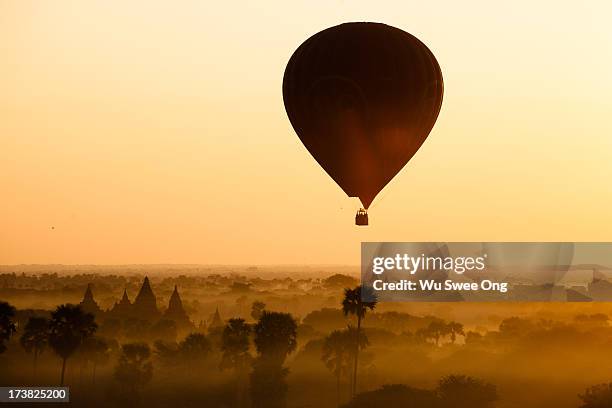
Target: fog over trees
[{"x": 257, "y": 339}]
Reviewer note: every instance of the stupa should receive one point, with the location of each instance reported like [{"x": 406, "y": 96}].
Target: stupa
[
  {"x": 145, "y": 304},
  {"x": 88, "y": 304},
  {"x": 176, "y": 312}
]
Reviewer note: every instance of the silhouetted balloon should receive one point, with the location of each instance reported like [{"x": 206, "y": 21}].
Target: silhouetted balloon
[{"x": 362, "y": 97}]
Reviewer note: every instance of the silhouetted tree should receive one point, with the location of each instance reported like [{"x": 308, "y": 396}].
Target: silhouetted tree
[
  {"x": 516, "y": 327},
  {"x": 134, "y": 370},
  {"x": 236, "y": 356},
  {"x": 326, "y": 319},
  {"x": 240, "y": 287},
  {"x": 455, "y": 391},
  {"x": 95, "y": 350},
  {"x": 338, "y": 350},
  {"x": 596, "y": 320},
  {"x": 235, "y": 345},
  {"x": 275, "y": 338},
  {"x": 167, "y": 352},
  {"x": 194, "y": 348},
  {"x": 454, "y": 329},
  {"x": 472, "y": 337},
  {"x": 7, "y": 326},
  {"x": 338, "y": 281},
  {"x": 275, "y": 335},
  {"x": 35, "y": 338},
  {"x": 462, "y": 391},
  {"x": 354, "y": 304},
  {"x": 435, "y": 330},
  {"x": 68, "y": 328},
  {"x": 257, "y": 309},
  {"x": 268, "y": 384},
  {"x": 597, "y": 396}
]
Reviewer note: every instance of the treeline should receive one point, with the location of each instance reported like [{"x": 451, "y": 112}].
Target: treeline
[
  {"x": 70, "y": 333},
  {"x": 251, "y": 359}
]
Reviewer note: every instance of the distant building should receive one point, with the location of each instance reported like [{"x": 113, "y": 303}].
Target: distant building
[
  {"x": 176, "y": 312},
  {"x": 145, "y": 304},
  {"x": 215, "y": 321},
  {"x": 88, "y": 304},
  {"x": 123, "y": 308},
  {"x": 143, "y": 308}
]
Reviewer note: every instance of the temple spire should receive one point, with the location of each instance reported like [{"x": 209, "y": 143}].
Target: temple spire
[
  {"x": 125, "y": 299},
  {"x": 88, "y": 304},
  {"x": 216, "y": 319},
  {"x": 122, "y": 308},
  {"x": 145, "y": 304},
  {"x": 88, "y": 296},
  {"x": 176, "y": 312},
  {"x": 175, "y": 303}
]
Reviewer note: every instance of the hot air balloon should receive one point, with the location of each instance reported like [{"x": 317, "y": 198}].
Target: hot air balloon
[{"x": 362, "y": 97}]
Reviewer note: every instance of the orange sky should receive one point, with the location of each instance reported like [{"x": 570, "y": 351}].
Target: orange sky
[{"x": 155, "y": 132}]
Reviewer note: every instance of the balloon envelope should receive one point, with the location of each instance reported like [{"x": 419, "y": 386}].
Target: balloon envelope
[{"x": 362, "y": 97}]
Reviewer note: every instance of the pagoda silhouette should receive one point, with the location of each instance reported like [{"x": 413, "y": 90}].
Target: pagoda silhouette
[
  {"x": 175, "y": 311},
  {"x": 144, "y": 308},
  {"x": 145, "y": 304},
  {"x": 215, "y": 320},
  {"x": 123, "y": 308},
  {"x": 88, "y": 304}
]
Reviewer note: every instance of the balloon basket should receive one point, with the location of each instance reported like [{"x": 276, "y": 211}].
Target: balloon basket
[{"x": 361, "y": 218}]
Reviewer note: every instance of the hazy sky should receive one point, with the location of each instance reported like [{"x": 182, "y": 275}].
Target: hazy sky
[{"x": 154, "y": 132}]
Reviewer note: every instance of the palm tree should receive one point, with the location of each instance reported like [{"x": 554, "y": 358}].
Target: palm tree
[
  {"x": 96, "y": 350},
  {"x": 357, "y": 302},
  {"x": 275, "y": 338},
  {"x": 7, "y": 326},
  {"x": 235, "y": 345},
  {"x": 133, "y": 371},
  {"x": 35, "y": 337},
  {"x": 338, "y": 349},
  {"x": 236, "y": 356},
  {"x": 275, "y": 335},
  {"x": 68, "y": 328}
]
